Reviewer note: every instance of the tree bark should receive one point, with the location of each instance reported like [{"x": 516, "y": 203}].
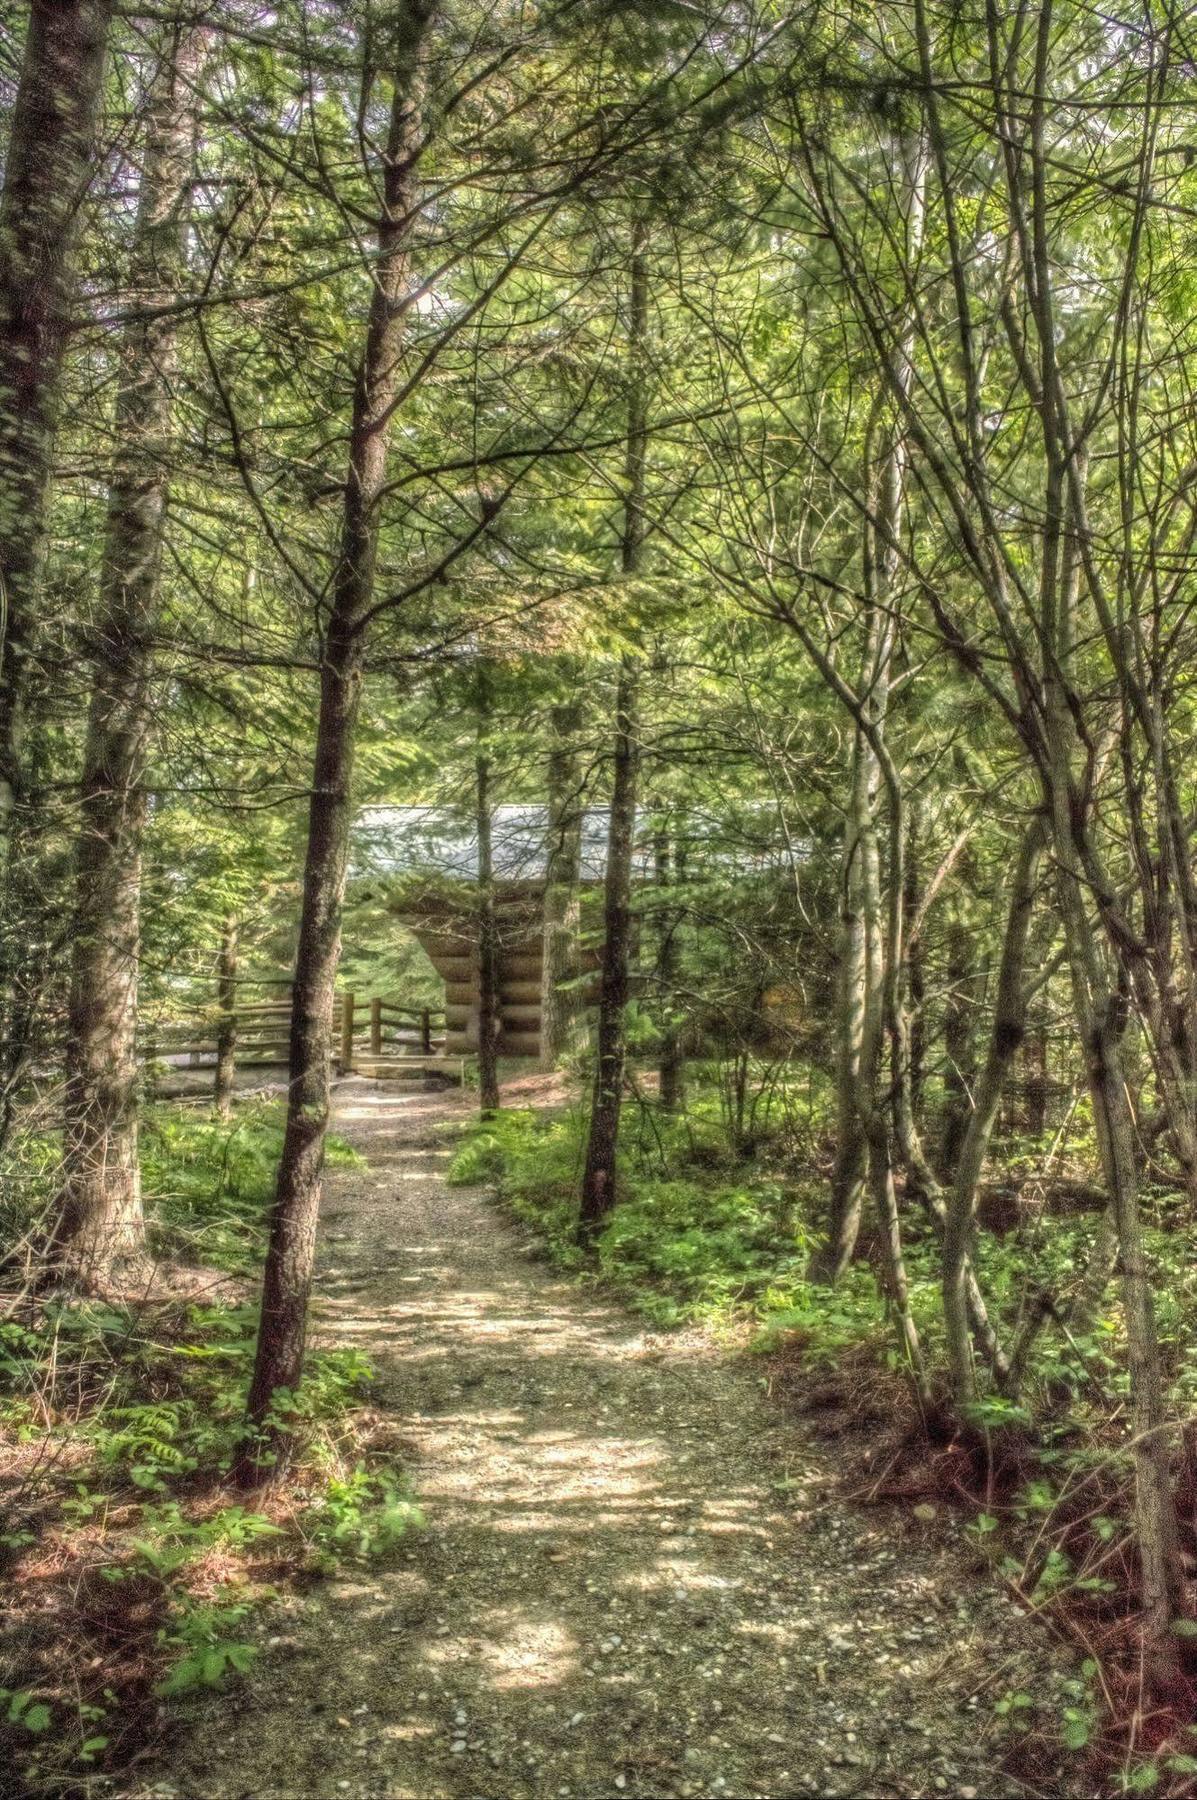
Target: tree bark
[
  {"x": 1101, "y": 1023},
  {"x": 488, "y": 946},
  {"x": 870, "y": 967},
  {"x": 287, "y": 1278},
  {"x": 958, "y": 1045},
  {"x": 226, "y": 1022},
  {"x": 1005, "y": 1037},
  {"x": 916, "y": 977},
  {"x": 46, "y": 173},
  {"x": 846, "y": 1200},
  {"x": 100, "y": 1231},
  {"x": 559, "y": 966},
  {"x": 47, "y": 164},
  {"x": 598, "y": 1179},
  {"x": 671, "y": 1064}
]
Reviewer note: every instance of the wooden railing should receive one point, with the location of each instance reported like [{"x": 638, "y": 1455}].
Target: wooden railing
[
  {"x": 259, "y": 1032},
  {"x": 383, "y": 1029}
]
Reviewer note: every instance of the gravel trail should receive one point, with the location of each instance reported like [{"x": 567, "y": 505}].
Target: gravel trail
[{"x": 635, "y": 1579}]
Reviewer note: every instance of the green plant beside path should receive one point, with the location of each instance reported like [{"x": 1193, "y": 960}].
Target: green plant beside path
[{"x": 122, "y": 1422}]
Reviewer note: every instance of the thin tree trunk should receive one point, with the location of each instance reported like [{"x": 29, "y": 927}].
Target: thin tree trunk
[
  {"x": 488, "y": 946},
  {"x": 287, "y": 1278},
  {"x": 1099, "y": 1017},
  {"x": 958, "y": 1044},
  {"x": 671, "y": 1065},
  {"x": 47, "y": 164},
  {"x": 226, "y": 1022},
  {"x": 846, "y": 1201},
  {"x": 916, "y": 978},
  {"x": 598, "y": 1179},
  {"x": 1005, "y": 1037},
  {"x": 559, "y": 966},
  {"x": 868, "y": 971},
  {"x": 100, "y": 1231}
]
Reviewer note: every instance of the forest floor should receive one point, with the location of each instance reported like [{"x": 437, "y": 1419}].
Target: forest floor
[{"x": 638, "y": 1577}]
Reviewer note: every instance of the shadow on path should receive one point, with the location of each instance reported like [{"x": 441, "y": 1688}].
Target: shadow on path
[{"x": 633, "y": 1578}]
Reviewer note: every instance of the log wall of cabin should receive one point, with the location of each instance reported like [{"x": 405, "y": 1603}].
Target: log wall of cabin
[{"x": 448, "y": 938}]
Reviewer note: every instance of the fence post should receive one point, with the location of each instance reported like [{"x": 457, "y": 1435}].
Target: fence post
[
  {"x": 426, "y": 1032},
  {"x": 347, "y": 1032},
  {"x": 376, "y": 1026}
]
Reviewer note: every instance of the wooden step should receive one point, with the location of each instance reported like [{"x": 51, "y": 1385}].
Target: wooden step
[{"x": 398, "y": 1068}]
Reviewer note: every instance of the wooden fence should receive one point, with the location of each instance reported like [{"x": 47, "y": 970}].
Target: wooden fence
[
  {"x": 376, "y": 1030},
  {"x": 366, "y": 1029}
]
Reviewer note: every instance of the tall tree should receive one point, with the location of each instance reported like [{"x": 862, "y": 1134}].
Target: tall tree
[
  {"x": 46, "y": 171},
  {"x": 287, "y": 1278},
  {"x": 100, "y": 1229},
  {"x": 45, "y": 175},
  {"x": 559, "y": 965},
  {"x": 598, "y": 1179},
  {"x": 487, "y": 935}
]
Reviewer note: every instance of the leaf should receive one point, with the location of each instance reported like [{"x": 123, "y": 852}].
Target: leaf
[{"x": 1078, "y": 1728}]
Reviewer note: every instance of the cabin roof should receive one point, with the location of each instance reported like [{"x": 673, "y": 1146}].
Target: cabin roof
[
  {"x": 393, "y": 840},
  {"x": 396, "y": 839}
]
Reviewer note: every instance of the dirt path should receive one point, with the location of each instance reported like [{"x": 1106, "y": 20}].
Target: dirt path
[{"x": 635, "y": 1579}]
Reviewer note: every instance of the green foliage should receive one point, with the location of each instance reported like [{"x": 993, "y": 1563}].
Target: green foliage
[
  {"x": 204, "y": 1652},
  {"x": 490, "y": 1145},
  {"x": 208, "y": 1181},
  {"x": 362, "y": 1514},
  {"x": 23, "y": 1710},
  {"x": 679, "y": 1245},
  {"x": 148, "y": 1409}
]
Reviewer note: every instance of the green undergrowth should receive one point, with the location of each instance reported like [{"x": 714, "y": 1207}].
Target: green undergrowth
[
  {"x": 704, "y": 1234},
  {"x": 133, "y": 1565},
  {"x": 208, "y": 1182},
  {"x": 698, "y": 1233}
]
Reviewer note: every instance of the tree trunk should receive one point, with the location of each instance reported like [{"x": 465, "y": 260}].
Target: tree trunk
[
  {"x": 226, "y": 1023},
  {"x": 47, "y": 165},
  {"x": 958, "y": 1044},
  {"x": 558, "y": 1001},
  {"x": 916, "y": 977},
  {"x": 671, "y": 1064},
  {"x": 488, "y": 947},
  {"x": 598, "y": 1179},
  {"x": 100, "y": 1232},
  {"x": 1098, "y": 1011},
  {"x": 46, "y": 171},
  {"x": 1101, "y": 1019},
  {"x": 846, "y": 1201},
  {"x": 861, "y": 1137},
  {"x": 287, "y": 1279},
  {"x": 1005, "y": 1037}
]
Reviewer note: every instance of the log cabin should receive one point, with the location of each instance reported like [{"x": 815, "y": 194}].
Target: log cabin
[{"x": 431, "y": 853}]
